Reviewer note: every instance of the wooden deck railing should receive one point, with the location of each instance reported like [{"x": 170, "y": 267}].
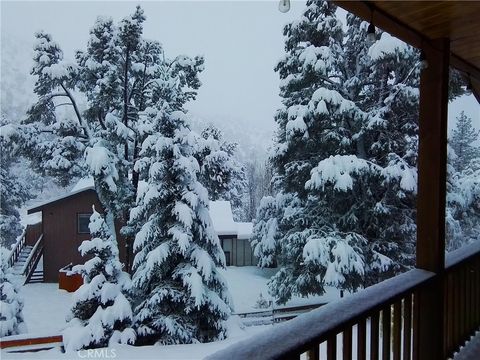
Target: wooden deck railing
[
  {"x": 377, "y": 322},
  {"x": 461, "y": 297}
]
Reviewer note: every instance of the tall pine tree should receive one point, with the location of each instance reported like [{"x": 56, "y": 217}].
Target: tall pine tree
[
  {"x": 220, "y": 172},
  {"x": 463, "y": 142},
  {"x": 180, "y": 295},
  {"x": 345, "y": 156}
]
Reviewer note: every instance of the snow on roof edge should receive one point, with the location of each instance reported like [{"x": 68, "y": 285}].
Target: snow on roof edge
[{"x": 67, "y": 195}]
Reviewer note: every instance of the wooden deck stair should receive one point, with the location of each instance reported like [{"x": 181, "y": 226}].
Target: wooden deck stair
[
  {"x": 25, "y": 260},
  {"x": 22, "y": 258}
]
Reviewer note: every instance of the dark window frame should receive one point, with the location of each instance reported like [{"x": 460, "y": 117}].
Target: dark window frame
[{"x": 78, "y": 223}]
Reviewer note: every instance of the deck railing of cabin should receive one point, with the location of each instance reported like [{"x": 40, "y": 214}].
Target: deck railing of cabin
[{"x": 378, "y": 322}]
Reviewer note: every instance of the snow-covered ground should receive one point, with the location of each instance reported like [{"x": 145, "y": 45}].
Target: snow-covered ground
[
  {"x": 46, "y": 306},
  {"x": 246, "y": 283},
  {"x": 171, "y": 352}
]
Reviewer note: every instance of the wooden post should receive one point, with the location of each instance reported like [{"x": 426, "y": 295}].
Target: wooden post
[{"x": 432, "y": 169}]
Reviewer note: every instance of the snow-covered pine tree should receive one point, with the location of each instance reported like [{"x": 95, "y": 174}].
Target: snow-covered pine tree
[
  {"x": 463, "y": 185},
  {"x": 463, "y": 141},
  {"x": 180, "y": 295},
  {"x": 118, "y": 76},
  {"x": 220, "y": 172},
  {"x": 265, "y": 232},
  {"x": 11, "y": 317},
  {"x": 345, "y": 155},
  {"x": 100, "y": 315},
  {"x": 13, "y": 193}
]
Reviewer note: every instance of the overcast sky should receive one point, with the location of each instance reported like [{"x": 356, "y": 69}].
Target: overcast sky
[{"x": 241, "y": 42}]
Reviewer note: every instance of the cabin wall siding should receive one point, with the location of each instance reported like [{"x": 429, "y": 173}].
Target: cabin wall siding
[{"x": 61, "y": 240}]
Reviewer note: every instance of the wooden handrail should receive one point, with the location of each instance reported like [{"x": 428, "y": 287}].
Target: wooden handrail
[
  {"x": 385, "y": 311},
  {"x": 17, "y": 249},
  {"x": 33, "y": 259},
  {"x": 462, "y": 254},
  {"x": 292, "y": 338}
]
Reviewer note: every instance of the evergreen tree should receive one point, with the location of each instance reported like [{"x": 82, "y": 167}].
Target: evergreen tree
[
  {"x": 463, "y": 141},
  {"x": 181, "y": 296},
  {"x": 463, "y": 203},
  {"x": 221, "y": 174},
  {"x": 345, "y": 156},
  {"x": 101, "y": 315},
  {"x": 11, "y": 317},
  {"x": 120, "y": 75},
  {"x": 13, "y": 193}
]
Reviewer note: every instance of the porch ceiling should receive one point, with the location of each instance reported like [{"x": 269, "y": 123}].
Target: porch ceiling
[{"x": 418, "y": 21}]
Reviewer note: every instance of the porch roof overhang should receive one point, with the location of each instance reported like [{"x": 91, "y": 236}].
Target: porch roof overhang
[{"x": 420, "y": 22}]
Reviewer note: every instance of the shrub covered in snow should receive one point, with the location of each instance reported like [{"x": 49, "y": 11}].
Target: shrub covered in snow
[
  {"x": 101, "y": 314},
  {"x": 11, "y": 318}
]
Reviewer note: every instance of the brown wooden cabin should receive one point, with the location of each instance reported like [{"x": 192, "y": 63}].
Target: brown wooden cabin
[{"x": 65, "y": 225}]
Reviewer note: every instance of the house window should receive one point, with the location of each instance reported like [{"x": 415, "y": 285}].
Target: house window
[{"x": 82, "y": 223}]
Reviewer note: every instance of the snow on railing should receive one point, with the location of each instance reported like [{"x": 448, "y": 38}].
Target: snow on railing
[
  {"x": 383, "y": 314},
  {"x": 304, "y": 333},
  {"x": 460, "y": 255}
]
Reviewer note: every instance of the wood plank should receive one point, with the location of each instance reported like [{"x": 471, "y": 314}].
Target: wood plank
[
  {"x": 314, "y": 353},
  {"x": 374, "y": 336},
  {"x": 431, "y": 198},
  {"x": 332, "y": 348},
  {"x": 347, "y": 343},
  {"x": 397, "y": 330},
  {"x": 362, "y": 340},
  {"x": 386, "y": 332},
  {"x": 407, "y": 327},
  {"x": 460, "y": 25}
]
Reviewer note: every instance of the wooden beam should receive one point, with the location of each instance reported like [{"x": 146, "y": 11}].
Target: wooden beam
[
  {"x": 432, "y": 158},
  {"x": 431, "y": 199},
  {"x": 387, "y": 22}
]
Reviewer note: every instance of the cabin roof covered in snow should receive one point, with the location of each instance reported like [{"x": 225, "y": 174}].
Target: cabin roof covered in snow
[{"x": 222, "y": 218}]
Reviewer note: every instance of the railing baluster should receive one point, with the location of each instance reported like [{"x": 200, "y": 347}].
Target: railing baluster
[
  {"x": 332, "y": 348},
  {"x": 468, "y": 311},
  {"x": 362, "y": 340},
  {"x": 397, "y": 330},
  {"x": 407, "y": 327},
  {"x": 386, "y": 326},
  {"x": 314, "y": 353},
  {"x": 462, "y": 303},
  {"x": 347, "y": 343},
  {"x": 449, "y": 314},
  {"x": 456, "y": 305},
  {"x": 477, "y": 291},
  {"x": 374, "y": 335}
]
